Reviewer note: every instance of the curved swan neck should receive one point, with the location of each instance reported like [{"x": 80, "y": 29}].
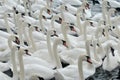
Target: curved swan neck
[
  {"x": 80, "y": 67},
  {"x": 95, "y": 52},
  {"x": 109, "y": 14},
  {"x": 6, "y": 23},
  {"x": 49, "y": 44},
  {"x": 25, "y": 33},
  {"x": 52, "y": 21},
  {"x": 15, "y": 74},
  {"x": 85, "y": 27},
  {"x": 64, "y": 32},
  {"x": 20, "y": 58},
  {"x": 20, "y": 32},
  {"x": 104, "y": 9},
  {"x": 31, "y": 39},
  {"x": 106, "y": 31},
  {"x": 24, "y": 2},
  {"x": 40, "y": 19},
  {"x": 57, "y": 59},
  {"x": 78, "y": 20},
  {"x": 88, "y": 47}
]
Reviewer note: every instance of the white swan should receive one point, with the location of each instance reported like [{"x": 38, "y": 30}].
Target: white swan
[
  {"x": 33, "y": 69},
  {"x": 111, "y": 61},
  {"x": 98, "y": 16},
  {"x": 80, "y": 70}
]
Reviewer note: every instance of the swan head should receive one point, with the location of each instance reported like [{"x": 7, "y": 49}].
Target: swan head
[
  {"x": 15, "y": 39},
  {"x": 85, "y": 58},
  {"x": 64, "y": 7}
]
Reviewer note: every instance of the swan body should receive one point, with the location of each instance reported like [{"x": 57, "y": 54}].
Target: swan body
[{"x": 82, "y": 72}]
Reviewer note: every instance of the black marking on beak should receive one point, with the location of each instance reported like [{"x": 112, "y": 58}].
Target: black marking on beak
[
  {"x": 103, "y": 32},
  {"x": 17, "y": 41},
  {"x": 64, "y": 43},
  {"x": 26, "y": 52},
  {"x": 89, "y": 60},
  {"x": 112, "y": 50}
]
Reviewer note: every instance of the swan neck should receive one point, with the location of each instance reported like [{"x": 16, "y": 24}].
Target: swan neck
[
  {"x": 24, "y": 2},
  {"x": 20, "y": 58},
  {"x": 88, "y": 47},
  {"x": 80, "y": 69},
  {"x": 85, "y": 33},
  {"x": 40, "y": 20},
  {"x": 64, "y": 32},
  {"x": 10, "y": 42},
  {"x": 56, "y": 57},
  {"x": 49, "y": 45},
  {"x": 20, "y": 32},
  {"x": 31, "y": 39},
  {"x": 15, "y": 74},
  {"x": 95, "y": 52},
  {"x": 104, "y": 10},
  {"x": 6, "y": 23},
  {"x": 78, "y": 22}
]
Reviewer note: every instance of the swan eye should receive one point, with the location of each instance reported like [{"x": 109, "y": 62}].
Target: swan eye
[
  {"x": 113, "y": 27},
  {"x": 91, "y": 44},
  {"x": 43, "y": 17},
  {"x": 98, "y": 45},
  {"x": 22, "y": 14}
]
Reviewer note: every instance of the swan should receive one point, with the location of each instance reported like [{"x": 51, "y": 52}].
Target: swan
[
  {"x": 40, "y": 17},
  {"x": 5, "y": 48},
  {"x": 68, "y": 7},
  {"x": 108, "y": 63},
  {"x": 27, "y": 59},
  {"x": 113, "y": 3},
  {"x": 46, "y": 54},
  {"x": 44, "y": 10},
  {"x": 29, "y": 70},
  {"x": 69, "y": 57},
  {"x": 98, "y": 16},
  {"x": 82, "y": 73},
  {"x": 66, "y": 16}
]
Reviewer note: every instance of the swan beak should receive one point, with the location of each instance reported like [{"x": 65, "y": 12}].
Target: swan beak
[
  {"x": 26, "y": 52},
  {"x": 112, "y": 50},
  {"x": 48, "y": 11},
  {"x": 89, "y": 61},
  {"x": 64, "y": 43},
  {"x": 17, "y": 40},
  {"x": 72, "y": 28}
]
